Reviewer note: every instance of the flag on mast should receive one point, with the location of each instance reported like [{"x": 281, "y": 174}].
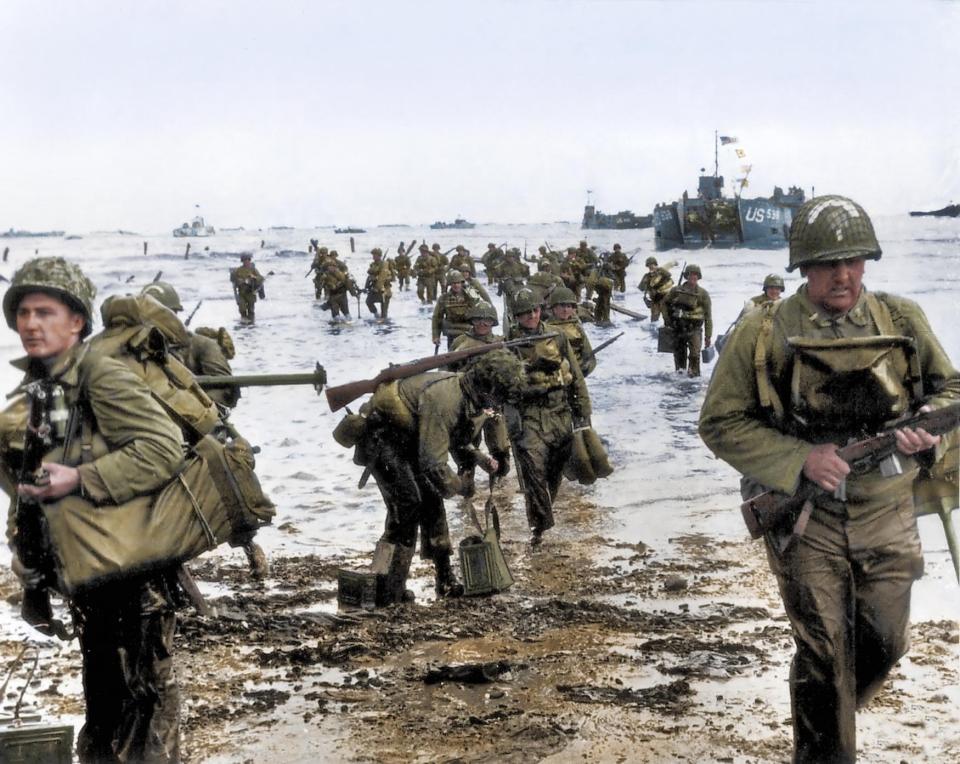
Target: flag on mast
[{"x": 725, "y": 139}]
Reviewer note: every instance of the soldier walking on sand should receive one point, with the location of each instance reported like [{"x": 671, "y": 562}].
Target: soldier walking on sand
[
  {"x": 554, "y": 402},
  {"x": 798, "y": 378}
]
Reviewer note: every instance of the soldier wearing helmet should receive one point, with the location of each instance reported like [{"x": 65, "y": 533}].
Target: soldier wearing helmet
[
  {"x": 492, "y": 260},
  {"x": 772, "y": 290},
  {"x": 247, "y": 286},
  {"x": 424, "y": 268},
  {"x": 555, "y": 401},
  {"x": 618, "y": 264},
  {"x": 85, "y": 426},
  {"x": 511, "y": 277},
  {"x": 798, "y": 378},
  {"x": 207, "y": 351},
  {"x": 687, "y": 310},
  {"x": 403, "y": 266},
  {"x": 564, "y": 318},
  {"x": 450, "y": 313},
  {"x": 472, "y": 286},
  {"x": 655, "y": 285},
  {"x": 377, "y": 286},
  {"x": 462, "y": 260}
]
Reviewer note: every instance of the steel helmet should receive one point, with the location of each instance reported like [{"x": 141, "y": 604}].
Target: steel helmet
[
  {"x": 163, "y": 293},
  {"x": 695, "y": 269},
  {"x": 524, "y": 302},
  {"x": 831, "y": 228},
  {"x": 773, "y": 280},
  {"x": 651, "y": 261},
  {"x": 562, "y": 296},
  {"x": 376, "y": 252},
  {"x": 54, "y": 276},
  {"x": 455, "y": 277},
  {"x": 483, "y": 310}
]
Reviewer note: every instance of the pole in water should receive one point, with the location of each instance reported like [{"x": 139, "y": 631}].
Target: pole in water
[
  {"x": 352, "y": 247},
  {"x": 187, "y": 253},
  {"x": 6, "y": 253},
  {"x": 144, "y": 247},
  {"x": 262, "y": 243}
]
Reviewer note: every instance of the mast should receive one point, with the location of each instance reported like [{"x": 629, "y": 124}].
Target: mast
[{"x": 716, "y": 156}]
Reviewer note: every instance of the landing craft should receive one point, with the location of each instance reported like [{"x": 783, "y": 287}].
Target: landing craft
[
  {"x": 713, "y": 220},
  {"x": 196, "y": 228},
  {"x": 458, "y": 223}
]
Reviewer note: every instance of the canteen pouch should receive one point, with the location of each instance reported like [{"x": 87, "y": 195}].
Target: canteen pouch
[
  {"x": 597, "y": 453},
  {"x": 579, "y": 466}
]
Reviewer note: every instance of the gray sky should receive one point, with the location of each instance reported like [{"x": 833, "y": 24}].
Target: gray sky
[{"x": 126, "y": 114}]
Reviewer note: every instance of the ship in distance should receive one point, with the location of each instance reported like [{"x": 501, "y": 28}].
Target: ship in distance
[
  {"x": 458, "y": 223},
  {"x": 625, "y": 219},
  {"x": 197, "y": 227}
]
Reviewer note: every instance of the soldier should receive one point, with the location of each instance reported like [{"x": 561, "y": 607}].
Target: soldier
[
  {"x": 403, "y": 266},
  {"x": 463, "y": 260},
  {"x": 618, "y": 264},
  {"x": 542, "y": 284},
  {"x": 472, "y": 287},
  {"x": 203, "y": 355},
  {"x": 483, "y": 317},
  {"x": 423, "y": 268},
  {"x": 130, "y": 447},
  {"x": 571, "y": 271},
  {"x": 431, "y": 418},
  {"x": 602, "y": 279},
  {"x": 511, "y": 277},
  {"x": 317, "y": 267},
  {"x": 587, "y": 257},
  {"x": 247, "y": 286},
  {"x": 772, "y": 290},
  {"x": 563, "y": 307},
  {"x": 337, "y": 284},
  {"x": 491, "y": 260},
  {"x": 798, "y": 378},
  {"x": 450, "y": 313},
  {"x": 554, "y": 402},
  {"x": 442, "y": 263},
  {"x": 655, "y": 285},
  {"x": 377, "y": 287},
  {"x": 687, "y": 310}
]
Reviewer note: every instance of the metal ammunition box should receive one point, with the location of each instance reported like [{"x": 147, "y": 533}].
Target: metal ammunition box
[
  {"x": 356, "y": 588},
  {"x": 666, "y": 340},
  {"x": 483, "y": 566},
  {"x": 35, "y": 743}
]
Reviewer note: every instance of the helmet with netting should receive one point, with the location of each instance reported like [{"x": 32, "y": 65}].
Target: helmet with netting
[
  {"x": 525, "y": 302},
  {"x": 56, "y": 277},
  {"x": 831, "y": 228},
  {"x": 497, "y": 375},
  {"x": 455, "y": 277},
  {"x": 483, "y": 311}
]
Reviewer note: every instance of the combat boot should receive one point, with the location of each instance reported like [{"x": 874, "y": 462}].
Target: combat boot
[
  {"x": 393, "y": 561},
  {"x": 447, "y": 584}
]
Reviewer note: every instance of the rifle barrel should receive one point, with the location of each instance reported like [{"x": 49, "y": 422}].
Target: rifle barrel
[{"x": 317, "y": 378}]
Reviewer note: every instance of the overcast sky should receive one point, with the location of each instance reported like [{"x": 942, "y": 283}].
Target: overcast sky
[{"x": 127, "y": 114}]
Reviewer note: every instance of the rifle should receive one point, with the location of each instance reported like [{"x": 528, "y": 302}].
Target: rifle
[
  {"x": 341, "y": 395},
  {"x": 157, "y": 277},
  {"x": 627, "y": 311},
  {"x": 770, "y": 509},
  {"x": 600, "y": 347},
  {"x": 192, "y": 314},
  {"x": 317, "y": 378}
]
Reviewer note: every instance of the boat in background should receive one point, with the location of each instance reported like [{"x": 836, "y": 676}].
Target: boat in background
[
  {"x": 12, "y": 234},
  {"x": 458, "y": 223},
  {"x": 349, "y": 230},
  {"x": 950, "y": 211},
  {"x": 625, "y": 219},
  {"x": 195, "y": 228},
  {"x": 713, "y": 220}
]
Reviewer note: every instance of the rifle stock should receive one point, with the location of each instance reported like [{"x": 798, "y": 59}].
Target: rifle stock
[
  {"x": 768, "y": 510},
  {"x": 339, "y": 396}
]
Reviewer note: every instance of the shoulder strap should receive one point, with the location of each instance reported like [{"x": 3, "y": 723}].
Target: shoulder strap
[
  {"x": 761, "y": 356},
  {"x": 890, "y": 320}
]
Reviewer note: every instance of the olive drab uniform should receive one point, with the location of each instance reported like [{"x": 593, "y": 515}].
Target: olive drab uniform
[
  {"x": 126, "y": 626},
  {"x": 571, "y": 271},
  {"x": 204, "y": 355},
  {"x": 587, "y": 259},
  {"x": 618, "y": 265},
  {"x": 379, "y": 279},
  {"x": 450, "y": 316},
  {"x": 791, "y": 376},
  {"x": 247, "y": 286},
  {"x": 414, "y": 426},
  {"x": 655, "y": 285},
  {"x": 473, "y": 289},
  {"x": 687, "y": 310},
  {"x": 440, "y": 262},
  {"x": 542, "y": 283},
  {"x": 403, "y": 266},
  {"x": 337, "y": 284},
  {"x": 573, "y": 330},
  {"x": 601, "y": 280},
  {"x": 491, "y": 260},
  {"x": 462, "y": 261},
  {"x": 423, "y": 269},
  {"x": 541, "y": 425},
  {"x": 511, "y": 275}
]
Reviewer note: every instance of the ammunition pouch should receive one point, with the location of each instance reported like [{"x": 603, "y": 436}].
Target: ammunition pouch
[{"x": 216, "y": 498}]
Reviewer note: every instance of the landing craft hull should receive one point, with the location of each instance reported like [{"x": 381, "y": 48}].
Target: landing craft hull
[{"x": 759, "y": 224}]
